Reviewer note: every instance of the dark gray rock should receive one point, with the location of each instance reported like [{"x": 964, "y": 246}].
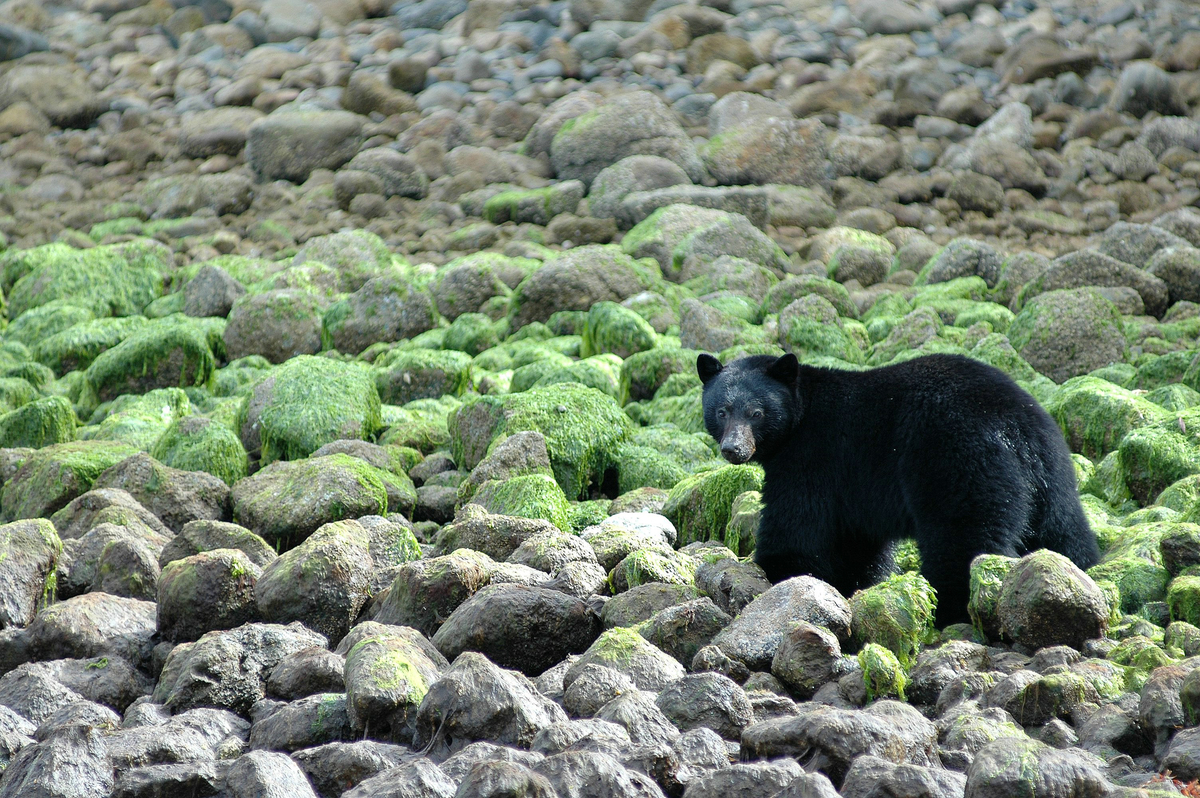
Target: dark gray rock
[
  {"x": 211, "y": 292},
  {"x": 335, "y": 768},
  {"x": 756, "y": 633},
  {"x": 193, "y": 779},
  {"x": 526, "y": 628},
  {"x": 94, "y": 625},
  {"x": 584, "y": 774},
  {"x": 263, "y": 774},
  {"x": 682, "y": 630},
  {"x": 806, "y": 659},
  {"x": 593, "y": 687},
  {"x": 745, "y": 780},
  {"x": 206, "y": 592},
  {"x": 732, "y": 585},
  {"x": 498, "y": 779},
  {"x": 871, "y": 775},
  {"x": 198, "y": 536},
  {"x": 1005, "y": 767},
  {"x": 306, "y": 672},
  {"x": 641, "y": 717},
  {"x": 460, "y": 764},
  {"x": 33, "y": 693},
  {"x": 1046, "y": 600},
  {"x": 475, "y": 700},
  {"x": 289, "y": 146},
  {"x": 176, "y": 496},
  {"x": 72, "y": 762},
  {"x": 304, "y": 723},
  {"x": 707, "y": 700}
]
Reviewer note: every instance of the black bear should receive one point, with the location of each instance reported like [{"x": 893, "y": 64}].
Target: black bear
[{"x": 943, "y": 449}]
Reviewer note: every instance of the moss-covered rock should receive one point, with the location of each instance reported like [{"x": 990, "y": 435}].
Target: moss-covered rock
[
  {"x": 600, "y": 372},
  {"x": 473, "y": 333},
  {"x": 1046, "y": 600},
  {"x": 1174, "y": 397},
  {"x": 701, "y": 506},
  {"x": 138, "y": 420},
  {"x": 896, "y": 614},
  {"x": 387, "y": 675},
  {"x": 1138, "y": 579},
  {"x": 1096, "y": 415},
  {"x": 465, "y": 284},
  {"x": 640, "y": 466},
  {"x": 306, "y": 403},
  {"x": 533, "y": 205},
  {"x": 355, "y": 255},
  {"x": 627, "y": 652},
  {"x": 1183, "y": 597},
  {"x": 37, "y": 324},
  {"x": 583, "y": 429},
  {"x": 526, "y": 496},
  {"x": 616, "y": 329},
  {"x": 387, "y": 308},
  {"x": 196, "y": 443},
  {"x": 77, "y": 346},
  {"x": 422, "y": 424},
  {"x": 796, "y": 287},
  {"x": 810, "y": 327},
  {"x": 645, "y": 566},
  {"x": 575, "y": 280},
  {"x": 425, "y": 592},
  {"x": 643, "y": 373},
  {"x": 1065, "y": 334},
  {"x": 163, "y": 354},
  {"x": 1153, "y": 458},
  {"x": 744, "y": 516},
  {"x": 42, "y": 422},
  {"x": 114, "y": 280},
  {"x": 287, "y": 501},
  {"x": 881, "y": 672},
  {"x": 405, "y": 375},
  {"x": 53, "y": 476}
]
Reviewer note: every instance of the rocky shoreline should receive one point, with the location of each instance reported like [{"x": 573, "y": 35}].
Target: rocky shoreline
[{"x": 350, "y": 434}]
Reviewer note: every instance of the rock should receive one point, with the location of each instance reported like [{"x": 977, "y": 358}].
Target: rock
[
  {"x": 995, "y": 770},
  {"x": 212, "y": 292},
  {"x": 636, "y": 123},
  {"x": 203, "y": 134},
  {"x": 200, "y": 536},
  {"x": 198, "y": 777},
  {"x": 229, "y": 669},
  {"x": 277, "y": 325},
  {"x": 323, "y": 582},
  {"x": 757, "y": 632},
  {"x": 177, "y": 497},
  {"x": 636, "y": 173},
  {"x": 334, "y": 766},
  {"x": 366, "y": 93},
  {"x": 593, "y": 687},
  {"x": 869, "y": 773},
  {"x": 806, "y": 659},
  {"x": 1067, "y": 333},
  {"x": 641, "y": 718},
  {"x": 1041, "y": 56},
  {"x": 627, "y": 652},
  {"x": 72, "y": 762},
  {"x": 475, "y": 700},
  {"x": 94, "y": 625},
  {"x": 1179, "y": 268},
  {"x": 732, "y": 585},
  {"x": 55, "y": 475},
  {"x": 772, "y": 150},
  {"x": 57, "y": 91},
  {"x": 303, "y": 723},
  {"x": 1143, "y": 87},
  {"x": 426, "y": 592},
  {"x": 1046, "y": 600},
  {"x": 684, "y": 629},
  {"x": 32, "y": 550},
  {"x": 307, "y": 672},
  {"x": 387, "y": 674},
  {"x": 289, "y": 146},
  {"x": 266, "y": 774},
  {"x": 707, "y": 700},
  {"x": 526, "y": 628}
]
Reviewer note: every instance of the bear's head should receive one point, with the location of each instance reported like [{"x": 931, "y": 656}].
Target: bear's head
[{"x": 750, "y": 403}]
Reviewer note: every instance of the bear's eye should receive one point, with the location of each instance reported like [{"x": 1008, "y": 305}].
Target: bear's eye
[
  {"x": 756, "y": 414},
  {"x": 721, "y": 412}
]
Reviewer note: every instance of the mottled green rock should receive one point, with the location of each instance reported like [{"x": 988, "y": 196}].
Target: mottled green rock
[
  {"x": 403, "y": 376},
  {"x": 425, "y": 592},
  {"x": 601, "y": 372},
  {"x": 1095, "y": 414},
  {"x": 645, "y": 566},
  {"x": 1153, "y": 458},
  {"x": 163, "y": 354},
  {"x": 642, "y": 374},
  {"x": 387, "y": 675},
  {"x": 1183, "y": 597},
  {"x": 29, "y": 552},
  {"x": 882, "y": 672},
  {"x": 204, "y": 592},
  {"x": 114, "y": 280},
  {"x": 700, "y": 506},
  {"x": 287, "y": 501},
  {"x": 77, "y": 346},
  {"x": 472, "y": 333},
  {"x": 613, "y": 328},
  {"x": 37, "y": 324},
  {"x": 355, "y": 256}
]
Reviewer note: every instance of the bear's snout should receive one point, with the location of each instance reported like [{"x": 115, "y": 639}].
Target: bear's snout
[{"x": 737, "y": 444}]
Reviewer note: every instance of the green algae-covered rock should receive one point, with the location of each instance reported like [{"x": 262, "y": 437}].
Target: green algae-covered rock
[
  {"x": 1138, "y": 579},
  {"x": 138, "y": 420},
  {"x": 422, "y": 424},
  {"x": 882, "y": 672},
  {"x": 627, "y": 652},
  {"x": 683, "y": 629},
  {"x": 307, "y": 402},
  {"x": 387, "y": 675},
  {"x": 658, "y": 234},
  {"x": 907, "y": 333},
  {"x": 1153, "y": 458},
  {"x": 114, "y": 280},
  {"x": 355, "y": 255},
  {"x": 386, "y": 308},
  {"x": 897, "y": 614},
  {"x": 533, "y": 205},
  {"x": 744, "y": 516},
  {"x": 810, "y": 327},
  {"x": 53, "y": 476},
  {"x": 204, "y": 592},
  {"x": 576, "y": 279},
  {"x": 472, "y": 333},
  {"x": 1183, "y": 597},
  {"x": 684, "y": 410},
  {"x": 29, "y": 553},
  {"x": 643, "y": 373},
  {"x": 1174, "y": 397},
  {"x": 1096, "y": 415},
  {"x": 203, "y": 535},
  {"x": 405, "y": 375},
  {"x": 323, "y": 582},
  {"x": 288, "y": 501},
  {"x": 614, "y": 540},
  {"x": 613, "y": 328},
  {"x": 42, "y": 422},
  {"x": 583, "y": 429},
  {"x": 526, "y": 496},
  {"x": 466, "y": 283},
  {"x": 163, "y": 354},
  {"x": 425, "y": 592},
  {"x": 77, "y": 346},
  {"x": 1046, "y": 600},
  {"x": 1165, "y": 370},
  {"x": 37, "y": 324},
  {"x": 646, "y": 566},
  {"x": 701, "y": 506},
  {"x": 640, "y": 466},
  {"x": 1141, "y": 653},
  {"x": 601, "y": 372},
  {"x": 1179, "y": 546},
  {"x": 1180, "y": 495},
  {"x": 1107, "y": 482},
  {"x": 196, "y": 443},
  {"x": 796, "y": 287}
]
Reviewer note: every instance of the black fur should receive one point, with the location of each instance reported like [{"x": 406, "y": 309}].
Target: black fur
[{"x": 943, "y": 449}]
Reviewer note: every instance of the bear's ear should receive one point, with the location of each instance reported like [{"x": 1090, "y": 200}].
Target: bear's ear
[
  {"x": 785, "y": 369},
  {"x": 707, "y": 367}
]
